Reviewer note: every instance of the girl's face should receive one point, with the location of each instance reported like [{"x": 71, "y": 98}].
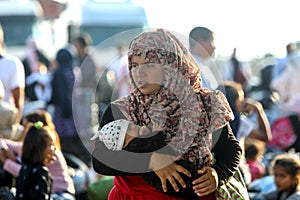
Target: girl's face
[
  {"x": 283, "y": 179},
  {"x": 148, "y": 77},
  {"x": 49, "y": 151}
]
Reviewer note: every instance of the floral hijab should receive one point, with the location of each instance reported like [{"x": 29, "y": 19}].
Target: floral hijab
[{"x": 181, "y": 106}]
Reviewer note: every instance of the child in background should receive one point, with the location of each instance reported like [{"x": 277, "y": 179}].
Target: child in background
[
  {"x": 63, "y": 185},
  {"x": 286, "y": 171},
  {"x": 34, "y": 181},
  {"x": 253, "y": 154}
]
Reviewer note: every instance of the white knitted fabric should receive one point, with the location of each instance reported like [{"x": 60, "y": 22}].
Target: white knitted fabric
[{"x": 113, "y": 134}]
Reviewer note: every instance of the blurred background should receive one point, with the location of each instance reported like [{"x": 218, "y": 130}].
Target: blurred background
[
  {"x": 257, "y": 31},
  {"x": 253, "y": 27}
]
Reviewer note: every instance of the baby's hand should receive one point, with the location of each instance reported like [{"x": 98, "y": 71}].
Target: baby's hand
[
  {"x": 128, "y": 139},
  {"x": 99, "y": 135},
  {"x": 9, "y": 154},
  {"x": 157, "y": 127}
]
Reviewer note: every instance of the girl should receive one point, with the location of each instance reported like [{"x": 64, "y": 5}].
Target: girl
[
  {"x": 34, "y": 180},
  {"x": 286, "y": 171},
  {"x": 63, "y": 185}
]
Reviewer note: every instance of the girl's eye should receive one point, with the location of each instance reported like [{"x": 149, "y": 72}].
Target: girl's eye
[
  {"x": 132, "y": 66},
  {"x": 151, "y": 64}
]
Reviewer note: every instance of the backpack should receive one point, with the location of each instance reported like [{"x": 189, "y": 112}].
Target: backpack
[{"x": 283, "y": 134}]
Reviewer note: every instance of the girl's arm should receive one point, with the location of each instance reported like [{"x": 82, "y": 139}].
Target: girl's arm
[
  {"x": 10, "y": 164},
  {"x": 14, "y": 146},
  {"x": 263, "y": 132},
  {"x": 12, "y": 167}
]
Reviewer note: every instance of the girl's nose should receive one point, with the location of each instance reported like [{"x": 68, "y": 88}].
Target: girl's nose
[{"x": 141, "y": 70}]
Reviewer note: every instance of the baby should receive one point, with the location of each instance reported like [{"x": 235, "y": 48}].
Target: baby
[{"x": 117, "y": 134}]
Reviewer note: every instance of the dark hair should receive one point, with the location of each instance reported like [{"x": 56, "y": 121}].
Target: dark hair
[
  {"x": 231, "y": 91},
  {"x": 291, "y": 47},
  {"x": 251, "y": 152},
  {"x": 64, "y": 57},
  {"x": 84, "y": 40},
  {"x": 35, "y": 144},
  {"x": 45, "y": 117},
  {"x": 199, "y": 33},
  {"x": 38, "y": 115}
]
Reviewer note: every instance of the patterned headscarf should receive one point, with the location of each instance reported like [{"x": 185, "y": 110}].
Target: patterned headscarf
[{"x": 180, "y": 106}]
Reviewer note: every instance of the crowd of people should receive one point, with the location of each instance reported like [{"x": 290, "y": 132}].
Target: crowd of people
[{"x": 181, "y": 128}]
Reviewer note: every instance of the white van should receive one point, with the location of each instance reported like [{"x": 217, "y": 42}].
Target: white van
[
  {"x": 21, "y": 20},
  {"x": 103, "y": 20}
]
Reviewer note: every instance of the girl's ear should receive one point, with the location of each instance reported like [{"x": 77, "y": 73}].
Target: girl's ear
[{"x": 296, "y": 181}]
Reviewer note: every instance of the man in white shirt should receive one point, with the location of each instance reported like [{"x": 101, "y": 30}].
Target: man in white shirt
[
  {"x": 202, "y": 47},
  {"x": 13, "y": 77}
]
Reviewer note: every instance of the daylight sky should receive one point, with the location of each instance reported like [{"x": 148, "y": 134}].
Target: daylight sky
[{"x": 254, "y": 27}]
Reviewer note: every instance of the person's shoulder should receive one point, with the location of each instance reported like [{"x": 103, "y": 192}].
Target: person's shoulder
[
  {"x": 270, "y": 196},
  {"x": 10, "y": 57},
  {"x": 295, "y": 196},
  {"x": 12, "y": 61}
]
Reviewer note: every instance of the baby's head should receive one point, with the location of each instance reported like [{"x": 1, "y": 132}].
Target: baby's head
[
  {"x": 114, "y": 133},
  {"x": 118, "y": 130}
]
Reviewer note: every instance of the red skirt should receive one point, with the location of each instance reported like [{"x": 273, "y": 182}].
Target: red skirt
[{"x": 135, "y": 188}]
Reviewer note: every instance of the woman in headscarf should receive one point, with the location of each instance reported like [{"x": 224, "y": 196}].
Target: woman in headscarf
[{"x": 167, "y": 90}]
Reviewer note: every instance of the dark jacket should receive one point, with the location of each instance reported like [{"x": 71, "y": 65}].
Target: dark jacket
[{"x": 227, "y": 152}]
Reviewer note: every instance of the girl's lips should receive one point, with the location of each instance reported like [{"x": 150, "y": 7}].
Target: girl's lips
[{"x": 142, "y": 83}]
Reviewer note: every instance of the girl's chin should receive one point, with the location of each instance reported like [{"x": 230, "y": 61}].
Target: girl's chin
[{"x": 149, "y": 88}]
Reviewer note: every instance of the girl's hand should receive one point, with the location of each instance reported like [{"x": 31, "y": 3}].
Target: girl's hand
[
  {"x": 2, "y": 156},
  {"x": 10, "y": 155},
  {"x": 165, "y": 168},
  {"x": 207, "y": 182}
]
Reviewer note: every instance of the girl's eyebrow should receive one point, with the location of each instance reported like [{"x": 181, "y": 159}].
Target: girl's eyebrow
[
  {"x": 132, "y": 62},
  {"x": 148, "y": 62}
]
